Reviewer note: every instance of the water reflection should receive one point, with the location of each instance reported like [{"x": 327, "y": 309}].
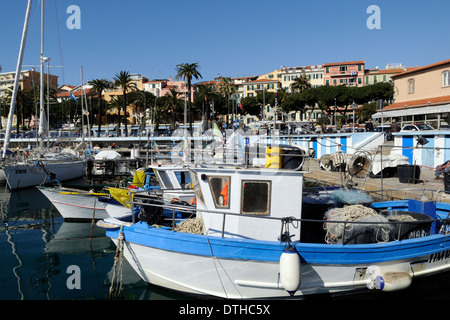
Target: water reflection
[{"x": 37, "y": 248}]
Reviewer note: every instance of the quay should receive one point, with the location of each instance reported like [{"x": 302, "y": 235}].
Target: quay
[
  {"x": 138, "y": 151},
  {"x": 381, "y": 189}
]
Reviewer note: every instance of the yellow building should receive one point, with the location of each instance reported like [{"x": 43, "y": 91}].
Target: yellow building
[
  {"x": 251, "y": 88},
  {"x": 27, "y": 79}
]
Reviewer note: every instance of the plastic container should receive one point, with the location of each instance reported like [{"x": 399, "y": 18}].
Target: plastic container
[
  {"x": 273, "y": 157},
  {"x": 408, "y": 173}
]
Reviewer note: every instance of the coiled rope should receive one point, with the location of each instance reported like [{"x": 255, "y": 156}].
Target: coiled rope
[{"x": 194, "y": 225}]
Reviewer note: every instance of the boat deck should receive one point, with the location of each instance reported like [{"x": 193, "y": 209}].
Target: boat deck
[{"x": 382, "y": 189}]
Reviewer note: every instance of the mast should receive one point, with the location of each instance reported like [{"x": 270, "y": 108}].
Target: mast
[
  {"x": 16, "y": 79},
  {"x": 41, "y": 99}
]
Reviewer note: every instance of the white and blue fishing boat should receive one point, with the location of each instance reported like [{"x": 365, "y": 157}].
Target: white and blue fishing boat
[
  {"x": 254, "y": 241},
  {"x": 163, "y": 183}
]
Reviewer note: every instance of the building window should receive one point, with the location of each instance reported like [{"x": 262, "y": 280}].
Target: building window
[
  {"x": 359, "y": 80},
  {"x": 342, "y": 69},
  {"x": 327, "y": 82},
  {"x": 446, "y": 78},
  {"x": 411, "y": 86},
  {"x": 359, "y": 67}
]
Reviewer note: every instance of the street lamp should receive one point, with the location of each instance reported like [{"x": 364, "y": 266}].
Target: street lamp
[{"x": 354, "y": 105}]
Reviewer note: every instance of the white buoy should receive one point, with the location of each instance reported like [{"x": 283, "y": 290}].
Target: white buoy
[
  {"x": 290, "y": 270},
  {"x": 388, "y": 281}
]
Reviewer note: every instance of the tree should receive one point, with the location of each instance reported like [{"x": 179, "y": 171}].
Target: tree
[
  {"x": 173, "y": 104},
  {"x": 251, "y": 105},
  {"x": 300, "y": 84},
  {"x": 98, "y": 86},
  {"x": 205, "y": 95},
  {"x": 123, "y": 79},
  {"x": 227, "y": 89},
  {"x": 188, "y": 71},
  {"x": 24, "y": 104},
  {"x": 117, "y": 103},
  {"x": 142, "y": 99}
]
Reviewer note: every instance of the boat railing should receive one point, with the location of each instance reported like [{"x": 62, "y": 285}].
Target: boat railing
[{"x": 443, "y": 227}]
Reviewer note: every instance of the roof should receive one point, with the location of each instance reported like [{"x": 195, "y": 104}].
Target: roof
[
  {"x": 261, "y": 81},
  {"x": 344, "y": 63},
  {"x": 418, "y": 103},
  {"x": 75, "y": 93},
  {"x": 384, "y": 71},
  {"x": 424, "y": 68}
]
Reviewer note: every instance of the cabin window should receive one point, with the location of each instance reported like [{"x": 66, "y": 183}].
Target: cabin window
[
  {"x": 255, "y": 197},
  {"x": 220, "y": 189},
  {"x": 184, "y": 179},
  {"x": 165, "y": 180}
]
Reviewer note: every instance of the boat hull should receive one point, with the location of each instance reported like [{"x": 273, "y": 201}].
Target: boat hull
[
  {"x": 79, "y": 206},
  {"x": 249, "y": 269},
  {"x": 23, "y": 176}
]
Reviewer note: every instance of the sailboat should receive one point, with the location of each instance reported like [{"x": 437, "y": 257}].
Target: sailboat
[{"x": 42, "y": 164}]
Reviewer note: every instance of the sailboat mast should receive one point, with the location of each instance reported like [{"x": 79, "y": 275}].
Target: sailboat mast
[
  {"x": 16, "y": 79},
  {"x": 41, "y": 98}
]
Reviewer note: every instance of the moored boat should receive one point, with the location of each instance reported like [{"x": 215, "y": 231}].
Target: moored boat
[{"x": 253, "y": 246}]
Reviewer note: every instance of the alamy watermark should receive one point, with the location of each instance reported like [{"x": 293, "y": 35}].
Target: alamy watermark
[
  {"x": 74, "y": 280},
  {"x": 374, "y": 20},
  {"x": 74, "y": 20}
]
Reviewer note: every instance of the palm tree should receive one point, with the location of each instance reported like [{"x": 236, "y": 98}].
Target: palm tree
[
  {"x": 98, "y": 86},
  {"x": 187, "y": 71},
  {"x": 116, "y": 103},
  {"x": 173, "y": 103},
  {"x": 227, "y": 88},
  {"x": 123, "y": 79},
  {"x": 142, "y": 99},
  {"x": 300, "y": 83},
  {"x": 205, "y": 93},
  {"x": 24, "y": 103}
]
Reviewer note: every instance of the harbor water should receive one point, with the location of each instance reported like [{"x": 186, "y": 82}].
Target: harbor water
[{"x": 44, "y": 257}]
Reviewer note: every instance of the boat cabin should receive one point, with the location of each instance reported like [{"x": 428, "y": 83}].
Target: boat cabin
[
  {"x": 175, "y": 181},
  {"x": 228, "y": 199}
]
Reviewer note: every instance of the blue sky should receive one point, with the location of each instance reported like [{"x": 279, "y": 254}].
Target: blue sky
[{"x": 231, "y": 38}]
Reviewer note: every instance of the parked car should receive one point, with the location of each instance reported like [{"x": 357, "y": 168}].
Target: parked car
[
  {"x": 384, "y": 129},
  {"x": 417, "y": 127}
]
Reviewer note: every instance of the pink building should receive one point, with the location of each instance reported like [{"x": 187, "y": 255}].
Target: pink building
[
  {"x": 161, "y": 87},
  {"x": 349, "y": 73}
]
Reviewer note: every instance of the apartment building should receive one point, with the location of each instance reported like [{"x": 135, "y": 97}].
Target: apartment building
[
  {"x": 160, "y": 87},
  {"x": 313, "y": 73},
  {"x": 27, "y": 79},
  {"x": 349, "y": 73},
  {"x": 421, "y": 94},
  {"x": 376, "y": 75},
  {"x": 251, "y": 88}
]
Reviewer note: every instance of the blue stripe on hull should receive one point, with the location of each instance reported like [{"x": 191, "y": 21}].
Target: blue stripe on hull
[{"x": 312, "y": 253}]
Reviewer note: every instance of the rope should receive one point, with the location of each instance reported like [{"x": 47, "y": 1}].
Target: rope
[
  {"x": 191, "y": 226},
  {"x": 115, "y": 291}
]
